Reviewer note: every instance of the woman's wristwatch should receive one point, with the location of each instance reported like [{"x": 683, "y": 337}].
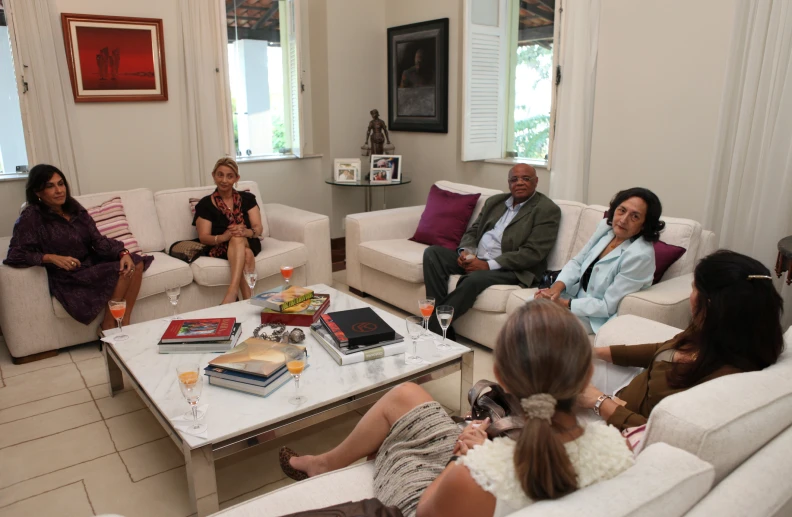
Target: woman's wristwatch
[{"x": 602, "y": 398}]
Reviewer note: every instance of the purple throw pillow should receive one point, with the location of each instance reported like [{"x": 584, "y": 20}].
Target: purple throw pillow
[
  {"x": 445, "y": 218},
  {"x": 665, "y": 255}
]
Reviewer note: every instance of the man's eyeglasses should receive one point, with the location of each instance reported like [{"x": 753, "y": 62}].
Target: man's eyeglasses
[{"x": 525, "y": 179}]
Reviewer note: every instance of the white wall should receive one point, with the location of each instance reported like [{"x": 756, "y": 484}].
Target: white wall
[{"x": 660, "y": 75}]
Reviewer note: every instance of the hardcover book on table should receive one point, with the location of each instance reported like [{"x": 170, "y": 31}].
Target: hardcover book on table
[
  {"x": 255, "y": 356},
  {"x": 208, "y": 329},
  {"x": 357, "y": 327},
  {"x": 280, "y": 299},
  {"x": 303, "y": 314},
  {"x": 201, "y": 347},
  {"x": 347, "y": 356}
]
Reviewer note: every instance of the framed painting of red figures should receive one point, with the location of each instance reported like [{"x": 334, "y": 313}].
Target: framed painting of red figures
[{"x": 115, "y": 59}]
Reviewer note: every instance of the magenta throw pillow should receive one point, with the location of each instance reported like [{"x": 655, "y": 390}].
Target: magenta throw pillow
[
  {"x": 445, "y": 218},
  {"x": 665, "y": 255}
]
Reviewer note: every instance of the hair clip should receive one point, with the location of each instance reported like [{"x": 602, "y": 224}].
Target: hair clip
[{"x": 759, "y": 277}]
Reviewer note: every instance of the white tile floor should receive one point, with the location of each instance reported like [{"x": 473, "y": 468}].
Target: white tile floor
[{"x": 68, "y": 449}]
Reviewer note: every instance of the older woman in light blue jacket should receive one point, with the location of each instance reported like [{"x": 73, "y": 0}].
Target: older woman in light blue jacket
[{"x": 618, "y": 260}]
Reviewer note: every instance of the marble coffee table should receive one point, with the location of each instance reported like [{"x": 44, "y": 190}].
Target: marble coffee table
[{"x": 237, "y": 421}]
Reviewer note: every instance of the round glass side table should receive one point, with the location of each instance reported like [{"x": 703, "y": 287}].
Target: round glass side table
[{"x": 368, "y": 185}]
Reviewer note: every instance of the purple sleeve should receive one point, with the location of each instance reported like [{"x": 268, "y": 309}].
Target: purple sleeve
[
  {"x": 105, "y": 247},
  {"x": 25, "y": 247}
]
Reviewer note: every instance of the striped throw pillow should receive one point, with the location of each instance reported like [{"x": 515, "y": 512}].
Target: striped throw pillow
[{"x": 111, "y": 221}]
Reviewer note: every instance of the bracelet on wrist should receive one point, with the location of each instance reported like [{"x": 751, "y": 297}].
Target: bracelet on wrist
[
  {"x": 123, "y": 252},
  {"x": 598, "y": 404}
]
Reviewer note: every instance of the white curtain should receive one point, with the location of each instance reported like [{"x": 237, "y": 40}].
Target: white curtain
[
  {"x": 749, "y": 201},
  {"x": 209, "y": 119},
  {"x": 36, "y": 29},
  {"x": 575, "y": 113}
]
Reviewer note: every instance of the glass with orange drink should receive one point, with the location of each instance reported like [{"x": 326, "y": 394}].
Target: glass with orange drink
[
  {"x": 295, "y": 363},
  {"x": 426, "y": 306},
  {"x": 191, "y": 385},
  {"x": 286, "y": 273},
  {"x": 118, "y": 309}
]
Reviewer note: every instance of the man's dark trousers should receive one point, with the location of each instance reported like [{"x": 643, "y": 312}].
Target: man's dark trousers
[{"x": 439, "y": 264}]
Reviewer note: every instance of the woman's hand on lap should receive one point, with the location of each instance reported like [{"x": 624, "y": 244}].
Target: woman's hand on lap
[
  {"x": 474, "y": 434},
  {"x": 127, "y": 266},
  {"x": 66, "y": 263}
]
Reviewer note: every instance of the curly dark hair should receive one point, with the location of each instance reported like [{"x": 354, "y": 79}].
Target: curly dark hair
[
  {"x": 38, "y": 178},
  {"x": 654, "y": 209},
  {"x": 736, "y": 320}
]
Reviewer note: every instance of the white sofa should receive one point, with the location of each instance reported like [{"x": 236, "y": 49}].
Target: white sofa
[
  {"x": 34, "y": 322},
  {"x": 382, "y": 262},
  {"x": 722, "y": 448}
]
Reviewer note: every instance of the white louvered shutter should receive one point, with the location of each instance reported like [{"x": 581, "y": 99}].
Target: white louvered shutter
[
  {"x": 291, "y": 57},
  {"x": 484, "y": 78}
]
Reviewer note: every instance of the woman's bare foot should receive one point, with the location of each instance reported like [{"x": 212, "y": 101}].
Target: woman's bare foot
[{"x": 311, "y": 465}]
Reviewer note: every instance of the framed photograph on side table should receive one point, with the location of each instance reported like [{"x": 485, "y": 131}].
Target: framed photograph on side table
[
  {"x": 388, "y": 161},
  {"x": 114, "y": 58},
  {"x": 346, "y": 170},
  {"x": 380, "y": 176}
]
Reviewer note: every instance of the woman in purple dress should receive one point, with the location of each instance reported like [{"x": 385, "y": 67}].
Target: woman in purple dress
[{"x": 85, "y": 269}]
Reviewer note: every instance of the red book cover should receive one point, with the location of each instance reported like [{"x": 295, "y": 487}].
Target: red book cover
[
  {"x": 303, "y": 315},
  {"x": 210, "y": 329},
  {"x": 339, "y": 335}
]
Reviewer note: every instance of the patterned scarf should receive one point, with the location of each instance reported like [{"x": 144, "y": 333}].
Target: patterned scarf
[{"x": 234, "y": 217}]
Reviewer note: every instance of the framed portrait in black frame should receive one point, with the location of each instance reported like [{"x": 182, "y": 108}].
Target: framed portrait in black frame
[{"x": 418, "y": 77}]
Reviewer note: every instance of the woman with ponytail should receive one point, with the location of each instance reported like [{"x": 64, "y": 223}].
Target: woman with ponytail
[
  {"x": 424, "y": 466},
  {"x": 736, "y": 327}
]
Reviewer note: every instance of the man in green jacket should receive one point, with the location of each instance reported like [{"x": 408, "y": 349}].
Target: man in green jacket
[{"x": 510, "y": 241}]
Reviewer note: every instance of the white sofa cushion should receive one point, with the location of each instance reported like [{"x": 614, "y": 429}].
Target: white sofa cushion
[
  {"x": 664, "y": 482},
  {"x": 590, "y": 217},
  {"x": 401, "y": 258},
  {"x": 350, "y": 484},
  {"x": 567, "y": 232},
  {"x": 760, "y": 487},
  {"x": 140, "y": 213},
  {"x": 210, "y": 271},
  {"x": 725, "y": 420},
  {"x": 173, "y": 209},
  {"x": 461, "y": 188}
]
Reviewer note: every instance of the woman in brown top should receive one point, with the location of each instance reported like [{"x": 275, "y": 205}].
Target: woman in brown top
[{"x": 736, "y": 327}]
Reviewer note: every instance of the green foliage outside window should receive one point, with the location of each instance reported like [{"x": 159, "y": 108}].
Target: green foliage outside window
[{"x": 531, "y": 130}]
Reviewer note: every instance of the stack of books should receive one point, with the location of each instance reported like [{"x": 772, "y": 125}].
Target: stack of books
[
  {"x": 255, "y": 366},
  {"x": 200, "y": 336},
  {"x": 356, "y": 335},
  {"x": 295, "y": 306}
]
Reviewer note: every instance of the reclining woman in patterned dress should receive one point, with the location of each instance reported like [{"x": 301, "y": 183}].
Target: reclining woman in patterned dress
[{"x": 424, "y": 466}]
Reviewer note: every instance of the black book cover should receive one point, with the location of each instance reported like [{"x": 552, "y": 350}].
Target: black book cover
[{"x": 361, "y": 326}]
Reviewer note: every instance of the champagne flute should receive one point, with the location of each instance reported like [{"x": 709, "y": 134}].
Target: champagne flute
[
  {"x": 414, "y": 330},
  {"x": 251, "y": 276},
  {"x": 173, "y": 297},
  {"x": 426, "y": 306},
  {"x": 191, "y": 384},
  {"x": 445, "y": 313},
  {"x": 286, "y": 273},
  {"x": 117, "y": 309},
  {"x": 295, "y": 363}
]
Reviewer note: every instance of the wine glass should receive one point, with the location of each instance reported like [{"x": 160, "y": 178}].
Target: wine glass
[
  {"x": 295, "y": 363},
  {"x": 414, "y": 330},
  {"x": 426, "y": 306},
  {"x": 173, "y": 297},
  {"x": 117, "y": 309},
  {"x": 191, "y": 384},
  {"x": 251, "y": 275},
  {"x": 445, "y": 313},
  {"x": 286, "y": 273}
]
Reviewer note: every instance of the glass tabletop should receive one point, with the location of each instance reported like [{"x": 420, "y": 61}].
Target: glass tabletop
[{"x": 367, "y": 183}]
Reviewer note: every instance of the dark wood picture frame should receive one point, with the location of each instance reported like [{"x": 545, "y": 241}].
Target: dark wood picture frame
[
  {"x": 418, "y": 77},
  {"x": 143, "y": 71}
]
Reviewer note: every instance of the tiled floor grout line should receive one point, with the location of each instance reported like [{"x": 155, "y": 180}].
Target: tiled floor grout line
[
  {"x": 53, "y": 434},
  {"x": 45, "y": 492},
  {"x": 70, "y": 363},
  {"x": 44, "y": 413},
  {"x": 45, "y": 398},
  {"x": 85, "y": 489},
  {"x": 142, "y": 444},
  {"x": 125, "y": 414},
  {"x": 158, "y": 473},
  {"x": 54, "y": 471}
]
